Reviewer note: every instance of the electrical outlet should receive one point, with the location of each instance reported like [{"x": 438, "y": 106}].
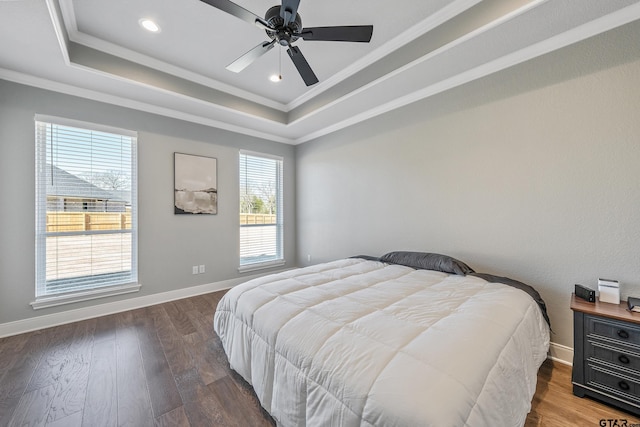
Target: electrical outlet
[
  {"x": 201, "y": 269},
  {"x": 308, "y": 257},
  {"x": 194, "y": 269}
]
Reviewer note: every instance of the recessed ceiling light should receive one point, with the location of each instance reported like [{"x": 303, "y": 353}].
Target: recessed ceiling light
[
  {"x": 275, "y": 78},
  {"x": 149, "y": 25}
]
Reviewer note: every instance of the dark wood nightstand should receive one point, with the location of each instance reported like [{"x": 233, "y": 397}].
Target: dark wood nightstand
[{"x": 606, "y": 353}]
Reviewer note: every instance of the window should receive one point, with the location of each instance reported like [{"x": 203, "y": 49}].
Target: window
[
  {"x": 86, "y": 204},
  {"x": 261, "y": 220}
]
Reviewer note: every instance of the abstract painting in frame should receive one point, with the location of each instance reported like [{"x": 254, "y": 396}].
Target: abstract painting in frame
[{"x": 195, "y": 184}]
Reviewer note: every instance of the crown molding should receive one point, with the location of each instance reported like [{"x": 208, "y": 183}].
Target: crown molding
[
  {"x": 582, "y": 32},
  {"x": 69, "y": 26},
  {"x": 398, "y": 71},
  {"x": 42, "y": 83},
  {"x": 438, "y": 18},
  {"x": 367, "y": 101},
  {"x": 56, "y": 15}
]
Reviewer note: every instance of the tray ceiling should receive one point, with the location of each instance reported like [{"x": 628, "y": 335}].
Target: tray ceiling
[{"x": 98, "y": 50}]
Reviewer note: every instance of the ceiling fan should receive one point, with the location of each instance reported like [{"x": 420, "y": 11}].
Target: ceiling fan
[{"x": 283, "y": 25}]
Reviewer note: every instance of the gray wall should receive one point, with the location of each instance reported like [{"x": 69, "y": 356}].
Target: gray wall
[
  {"x": 168, "y": 244},
  {"x": 532, "y": 173}
]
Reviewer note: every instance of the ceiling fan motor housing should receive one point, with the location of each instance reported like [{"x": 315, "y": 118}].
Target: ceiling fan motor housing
[
  {"x": 283, "y": 25},
  {"x": 283, "y": 34}
]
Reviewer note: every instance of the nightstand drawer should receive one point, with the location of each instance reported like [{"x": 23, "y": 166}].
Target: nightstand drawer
[
  {"x": 624, "y": 333},
  {"x": 614, "y": 355},
  {"x": 606, "y": 358},
  {"x": 612, "y": 382}
]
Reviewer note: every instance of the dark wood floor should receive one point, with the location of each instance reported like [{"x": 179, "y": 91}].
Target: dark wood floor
[{"x": 164, "y": 366}]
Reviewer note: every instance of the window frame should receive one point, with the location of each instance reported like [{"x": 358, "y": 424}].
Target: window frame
[
  {"x": 279, "y": 181},
  {"x": 130, "y": 284}
]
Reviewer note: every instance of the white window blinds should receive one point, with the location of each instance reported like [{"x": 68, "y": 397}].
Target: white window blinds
[
  {"x": 261, "y": 219},
  {"x": 86, "y": 204}
]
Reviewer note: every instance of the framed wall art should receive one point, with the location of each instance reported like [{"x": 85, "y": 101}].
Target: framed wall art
[{"x": 195, "y": 184}]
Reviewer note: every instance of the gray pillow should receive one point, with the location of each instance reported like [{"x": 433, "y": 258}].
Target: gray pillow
[
  {"x": 366, "y": 257},
  {"x": 427, "y": 261}
]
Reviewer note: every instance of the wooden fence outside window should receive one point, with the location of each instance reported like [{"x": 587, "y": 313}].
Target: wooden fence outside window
[
  {"x": 257, "y": 219},
  {"x": 88, "y": 221}
]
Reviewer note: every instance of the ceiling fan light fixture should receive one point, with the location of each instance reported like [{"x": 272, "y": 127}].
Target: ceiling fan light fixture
[
  {"x": 283, "y": 26},
  {"x": 149, "y": 25}
]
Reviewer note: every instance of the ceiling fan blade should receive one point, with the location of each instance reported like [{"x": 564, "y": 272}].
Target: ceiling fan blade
[
  {"x": 302, "y": 65},
  {"x": 349, "y": 33},
  {"x": 288, "y": 10},
  {"x": 239, "y": 12},
  {"x": 247, "y": 59}
]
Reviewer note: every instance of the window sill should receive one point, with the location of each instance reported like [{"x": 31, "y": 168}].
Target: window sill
[
  {"x": 261, "y": 266},
  {"x": 70, "y": 298}
]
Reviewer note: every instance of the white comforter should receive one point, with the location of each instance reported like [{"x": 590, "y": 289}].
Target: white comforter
[{"x": 359, "y": 343}]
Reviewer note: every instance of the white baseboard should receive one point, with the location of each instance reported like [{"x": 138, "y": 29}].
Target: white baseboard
[
  {"x": 69, "y": 316},
  {"x": 557, "y": 352},
  {"x": 561, "y": 353}
]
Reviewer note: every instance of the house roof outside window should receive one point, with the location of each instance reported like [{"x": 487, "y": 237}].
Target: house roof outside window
[{"x": 65, "y": 184}]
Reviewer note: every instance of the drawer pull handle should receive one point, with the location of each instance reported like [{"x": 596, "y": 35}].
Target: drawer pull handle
[
  {"x": 623, "y": 334},
  {"x": 623, "y": 359},
  {"x": 623, "y": 385}
]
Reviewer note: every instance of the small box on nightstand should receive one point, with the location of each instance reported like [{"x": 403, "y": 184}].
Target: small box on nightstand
[{"x": 609, "y": 291}]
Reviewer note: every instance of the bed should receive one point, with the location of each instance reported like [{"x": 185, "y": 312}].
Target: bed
[{"x": 375, "y": 342}]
